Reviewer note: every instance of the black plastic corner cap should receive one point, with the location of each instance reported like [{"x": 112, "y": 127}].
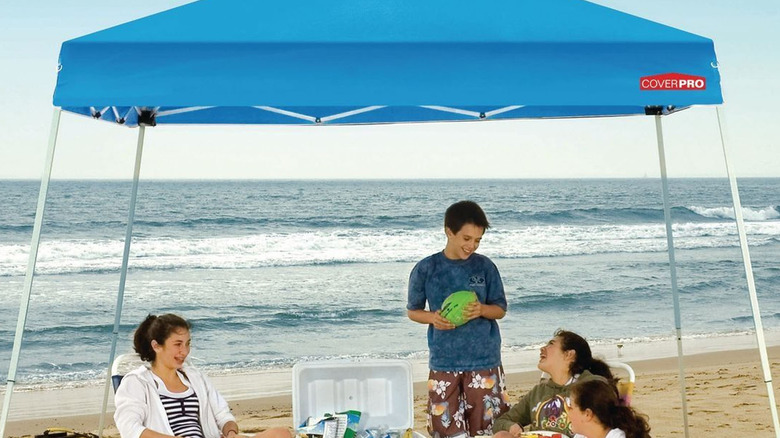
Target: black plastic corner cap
[
  {"x": 147, "y": 118},
  {"x": 654, "y": 110}
]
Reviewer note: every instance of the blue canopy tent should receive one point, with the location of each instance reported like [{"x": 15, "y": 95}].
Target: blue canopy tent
[{"x": 370, "y": 62}]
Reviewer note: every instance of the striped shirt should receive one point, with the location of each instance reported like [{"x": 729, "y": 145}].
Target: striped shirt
[{"x": 181, "y": 408}]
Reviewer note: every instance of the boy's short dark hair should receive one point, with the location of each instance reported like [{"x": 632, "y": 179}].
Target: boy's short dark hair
[{"x": 465, "y": 212}]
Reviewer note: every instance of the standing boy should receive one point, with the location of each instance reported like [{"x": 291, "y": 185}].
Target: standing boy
[{"x": 466, "y": 389}]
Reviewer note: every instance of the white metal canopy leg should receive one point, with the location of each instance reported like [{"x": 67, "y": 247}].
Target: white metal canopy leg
[
  {"x": 123, "y": 276},
  {"x": 672, "y": 267},
  {"x": 28, "y": 276},
  {"x": 743, "y": 244}
]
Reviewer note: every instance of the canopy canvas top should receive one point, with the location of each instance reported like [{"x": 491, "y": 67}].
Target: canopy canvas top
[{"x": 371, "y": 61}]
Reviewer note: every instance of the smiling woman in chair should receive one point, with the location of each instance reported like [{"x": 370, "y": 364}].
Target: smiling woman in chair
[{"x": 166, "y": 397}]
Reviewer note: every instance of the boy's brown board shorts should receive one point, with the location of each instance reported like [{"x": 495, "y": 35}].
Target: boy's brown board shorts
[{"x": 465, "y": 402}]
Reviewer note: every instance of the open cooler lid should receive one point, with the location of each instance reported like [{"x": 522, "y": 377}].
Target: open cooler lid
[{"x": 380, "y": 389}]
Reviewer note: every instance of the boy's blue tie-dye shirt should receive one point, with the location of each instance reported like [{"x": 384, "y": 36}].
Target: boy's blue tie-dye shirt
[{"x": 475, "y": 345}]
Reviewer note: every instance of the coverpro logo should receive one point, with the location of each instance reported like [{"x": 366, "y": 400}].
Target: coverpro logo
[{"x": 672, "y": 81}]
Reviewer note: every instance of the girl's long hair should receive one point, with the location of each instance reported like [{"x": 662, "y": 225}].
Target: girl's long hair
[{"x": 602, "y": 399}]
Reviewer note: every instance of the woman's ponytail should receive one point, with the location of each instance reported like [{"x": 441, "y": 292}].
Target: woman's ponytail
[
  {"x": 583, "y": 357},
  {"x": 600, "y": 368}
]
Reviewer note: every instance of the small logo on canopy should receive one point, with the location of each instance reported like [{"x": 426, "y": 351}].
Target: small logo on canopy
[{"x": 673, "y": 81}]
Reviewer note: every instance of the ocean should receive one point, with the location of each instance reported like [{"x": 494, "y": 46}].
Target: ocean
[{"x": 274, "y": 272}]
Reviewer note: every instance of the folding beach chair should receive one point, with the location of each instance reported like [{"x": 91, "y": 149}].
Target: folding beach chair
[
  {"x": 123, "y": 364},
  {"x": 625, "y": 388}
]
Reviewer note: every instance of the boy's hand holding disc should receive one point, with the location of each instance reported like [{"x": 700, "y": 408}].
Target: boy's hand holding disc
[
  {"x": 441, "y": 323},
  {"x": 473, "y": 311},
  {"x": 459, "y": 308}
]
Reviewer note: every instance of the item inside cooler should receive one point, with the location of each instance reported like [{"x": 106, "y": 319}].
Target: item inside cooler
[{"x": 380, "y": 389}]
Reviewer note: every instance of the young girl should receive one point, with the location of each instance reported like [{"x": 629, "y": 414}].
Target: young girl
[
  {"x": 567, "y": 358},
  {"x": 595, "y": 411},
  {"x": 167, "y": 398}
]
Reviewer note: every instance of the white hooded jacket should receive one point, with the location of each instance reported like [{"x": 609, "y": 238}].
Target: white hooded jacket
[{"x": 138, "y": 405}]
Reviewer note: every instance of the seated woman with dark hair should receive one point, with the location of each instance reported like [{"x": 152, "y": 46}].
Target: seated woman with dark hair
[
  {"x": 567, "y": 359},
  {"x": 596, "y": 411},
  {"x": 167, "y": 398}
]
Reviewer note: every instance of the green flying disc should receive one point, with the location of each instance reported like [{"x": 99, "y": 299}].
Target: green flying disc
[{"x": 453, "y": 307}]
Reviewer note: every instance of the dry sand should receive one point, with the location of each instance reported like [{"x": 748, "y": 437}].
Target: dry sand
[{"x": 726, "y": 398}]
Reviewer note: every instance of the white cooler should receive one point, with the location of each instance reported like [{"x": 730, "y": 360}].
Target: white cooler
[{"x": 380, "y": 389}]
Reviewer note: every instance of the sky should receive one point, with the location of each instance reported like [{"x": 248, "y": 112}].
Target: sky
[{"x": 746, "y": 35}]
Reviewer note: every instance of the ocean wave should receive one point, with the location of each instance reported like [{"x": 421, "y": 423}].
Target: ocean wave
[
  {"x": 633, "y": 215},
  {"x": 366, "y": 246},
  {"x": 593, "y": 215},
  {"x": 174, "y": 223},
  {"x": 749, "y": 318},
  {"x": 327, "y": 317},
  {"x": 574, "y": 298},
  {"x": 16, "y": 228},
  {"x": 749, "y": 214},
  {"x": 66, "y": 329}
]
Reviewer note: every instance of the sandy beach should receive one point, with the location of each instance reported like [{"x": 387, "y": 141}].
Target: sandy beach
[{"x": 726, "y": 397}]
